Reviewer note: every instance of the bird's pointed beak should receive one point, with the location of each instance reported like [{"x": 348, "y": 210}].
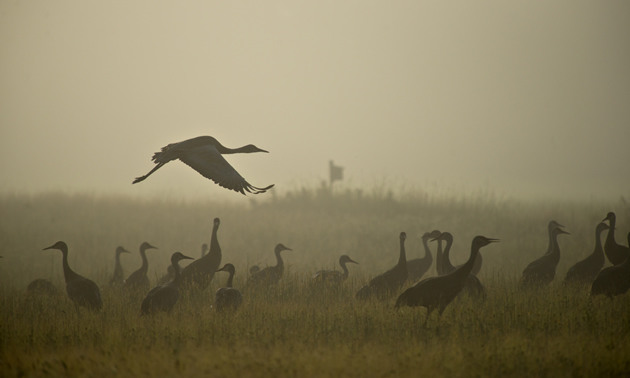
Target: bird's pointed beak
[
  {"x": 352, "y": 261},
  {"x": 186, "y": 257},
  {"x": 51, "y": 247},
  {"x": 494, "y": 240}
]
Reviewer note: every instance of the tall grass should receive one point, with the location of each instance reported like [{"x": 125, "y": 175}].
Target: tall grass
[{"x": 298, "y": 328}]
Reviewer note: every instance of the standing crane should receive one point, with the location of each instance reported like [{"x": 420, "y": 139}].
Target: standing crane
[
  {"x": 138, "y": 280},
  {"x": 616, "y": 253},
  {"x": 271, "y": 274},
  {"x": 386, "y": 284},
  {"x": 118, "y": 276},
  {"x": 543, "y": 270},
  {"x": 472, "y": 286},
  {"x": 164, "y": 297},
  {"x": 418, "y": 267},
  {"x": 199, "y": 273},
  {"x": 228, "y": 298},
  {"x": 614, "y": 280},
  {"x": 438, "y": 292},
  {"x": 586, "y": 270},
  {"x": 335, "y": 276},
  {"x": 204, "y": 155},
  {"x": 81, "y": 291}
]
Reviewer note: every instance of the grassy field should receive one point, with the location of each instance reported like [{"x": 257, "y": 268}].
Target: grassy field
[{"x": 298, "y": 328}]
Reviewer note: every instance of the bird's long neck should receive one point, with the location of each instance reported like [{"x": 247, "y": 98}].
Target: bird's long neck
[
  {"x": 610, "y": 238},
  {"x": 230, "y": 279},
  {"x": 402, "y": 259},
  {"x": 225, "y": 150},
  {"x": 145, "y": 263},
  {"x": 279, "y": 262},
  {"x": 464, "y": 270},
  {"x": 555, "y": 250},
  {"x": 438, "y": 258},
  {"x": 345, "y": 268},
  {"x": 215, "y": 248},
  {"x": 550, "y": 246},
  {"x": 118, "y": 273},
  {"x": 176, "y": 272},
  {"x": 427, "y": 252},
  {"x": 68, "y": 273},
  {"x": 447, "y": 266},
  {"x": 599, "y": 250}
]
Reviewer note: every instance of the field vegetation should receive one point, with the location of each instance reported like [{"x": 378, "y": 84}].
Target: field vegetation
[{"x": 298, "y": 328}]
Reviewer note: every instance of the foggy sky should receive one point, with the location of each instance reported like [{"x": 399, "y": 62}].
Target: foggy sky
[{"x": 528, "y": 98}]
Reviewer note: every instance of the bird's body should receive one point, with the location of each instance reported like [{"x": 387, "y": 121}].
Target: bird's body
[
  {"x": 335, "y": 276},
  {"x": 81, "y": 291},
  {"x": 204, "y": 155},
  {"x": 418, "y": 267},
  {"x": 438, "y": 292},
  {"x": 386, "y": 284},
  {"x": 542, "y": 271},
  {"x": 164, "y": 297},
  {"x": 198, "y": 274},
  {"x": 472, "y": 285},
  {"x": 614, "y": 280},
  {"x": 616, "y": 253},
  {"x": 228, "y": 298},
  {"x": 271, "y": 274},
  {"x": 118, "y": 276},
  {"x": 170, "y": 271},
  {"x": 43, "y": 287},
  {"x": 138, "y": 281},
  {"x": 586, "y": 270}
]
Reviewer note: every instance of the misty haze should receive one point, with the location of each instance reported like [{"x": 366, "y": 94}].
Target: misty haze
[{"x": 314, "y": 189}]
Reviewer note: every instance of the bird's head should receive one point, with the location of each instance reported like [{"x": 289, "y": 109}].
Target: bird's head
[
  {"x": 553, "y": 224},
  {"x": 228, "y": 268},
  {"x": 431, "y": 235},
  {"x": 121, "y": 249},
  {"x": 178, "y": 256},
  {"x": 346, "y": 259},
  {"x": 403, "y": 236},
  {"x": 444, "y": 236},
  {"x": 482, "y": 241},
  {"x": 217, "y": 222},
  {"x": 559, "y": 231},
  {"x": 62, "y": 246},
  {"x": 602, "y": 227},
  {"x": 144, "y": 246},
  {"x": 281, "y": 247},
  {"x": 609, "y": 217},
  {"x": 251, "y": 148}
]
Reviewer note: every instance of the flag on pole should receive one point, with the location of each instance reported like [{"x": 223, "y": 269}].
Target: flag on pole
[{"x": 336, "y": 172}]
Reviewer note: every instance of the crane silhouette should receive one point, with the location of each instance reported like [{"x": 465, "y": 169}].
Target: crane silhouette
[
  {"x": 204, "y": 155},
  {"x": 438, "y": 292},
  {"x": 43, "y": 287},
  {"x": 386, "y": 284},
  {"x": 164, "y": 297},
  {"x": 542, "y": 271},
  {"x": 118, "y": 276},
  {"x": 228, "y": 298},
  {"x": 81, "y": 291},
  {"x": 271, "y": 274},
  {"x": 472, "y": 286},
  {"x": 586, "y": 270},
  {"x": 335, "y": 276},
  {"x": 614, "y": 280},
  {"x": 138, "y": 280},
  {"x": 616, "y": 253},
  {"x": 418, "y": 267},
  {"x": 199, "y": 273}
]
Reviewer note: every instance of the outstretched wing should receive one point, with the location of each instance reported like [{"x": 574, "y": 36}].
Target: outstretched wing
[{"x": 210, "y": 164}]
